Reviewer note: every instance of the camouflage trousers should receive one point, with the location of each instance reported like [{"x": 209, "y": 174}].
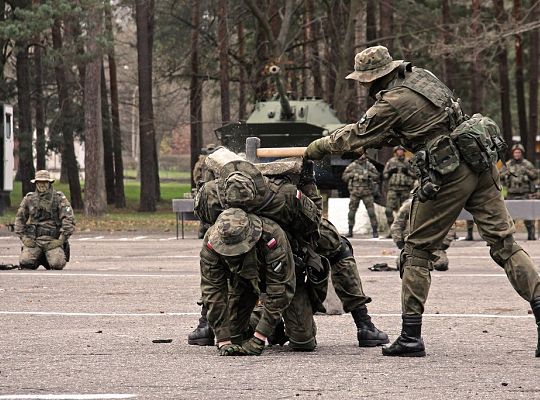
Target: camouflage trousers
[
  {"x": 31, "y": 257},
  {"x": 343, "y": 269},
  {"x": 394, "y": 200},
  {"x": 479, "y": 194},
  {"x": 298, "y": 316},
  {"x": 354, "y": 202},
  {"x": 529, "y": 224}
]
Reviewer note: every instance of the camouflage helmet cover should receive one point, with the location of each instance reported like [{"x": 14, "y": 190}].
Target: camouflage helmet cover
[
  {"x": 239, "y": 189},
  {"x": 242, "y": 179},
  {"x": 235, "y": 232},
  {"x": 518, "y": 146},
  {"x": 42, "y": 176},
  {"x": 373, "y": 63}
]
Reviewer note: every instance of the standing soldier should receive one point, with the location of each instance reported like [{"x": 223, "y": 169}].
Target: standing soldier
[
  {"x": 520, "y": 179},
  {"x": 400, "y": 179},
  {"x": 455, "y": 158},
  {"x": 44, "y": 223},
  {"x": 361, "y": 177}
]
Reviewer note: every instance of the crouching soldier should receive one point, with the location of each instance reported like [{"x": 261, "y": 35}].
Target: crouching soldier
[
  {"x": 244, "y": 255},
  {"x": 44, "y": 223}
]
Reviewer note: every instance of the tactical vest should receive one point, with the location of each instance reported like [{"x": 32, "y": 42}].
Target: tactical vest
[
  {"x": 38, "y": 215},
  {"x": 517, "y": 179},
  {"x": 360, "y": 178}
]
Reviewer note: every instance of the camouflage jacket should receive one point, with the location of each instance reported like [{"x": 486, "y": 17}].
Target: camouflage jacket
[
  {"x": 360, "y": 175},
  {"x": 409, "y": 110},
  {"x": 519, "y": 177},
  {"x": 199, "y": 170},
  {"x": 400, "y": 227},
  {"x": 398, "y": 174},
  {"x": 295, "y": 212},
  {"x": 268, "y": 267},
  {"x": 46, "y": 214}
]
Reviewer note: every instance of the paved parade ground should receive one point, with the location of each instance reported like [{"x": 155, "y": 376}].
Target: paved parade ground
[{"x": 87, "y": 332}]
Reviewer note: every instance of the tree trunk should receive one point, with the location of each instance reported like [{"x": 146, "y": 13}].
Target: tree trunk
[
  {"x": 371, "y": 22},
  {"x": 119, "y": 196},
  {"x": 242, "y": 99},
  {"x": 26, "y": 165},
  {"x": 195, "y": 90},
  {"x": 504, "y": 82},
  {"x": 108, "y": 157},
  {"x": 315, "y": 60},
  {"x": 224, "y": 61},
  {"x": 448, "y": 65},
  {"x": 148, "y": 153},
  {"x": 520, "y": 84},
  {"x": 67, "y": 120},
  {"x": 40, "y": 110},
  {"x": 477, "y": 83},
  {"x": 94, "y": 183},
  {"x": 386, "y": 23},
  {"x": 534, "y": 56}
]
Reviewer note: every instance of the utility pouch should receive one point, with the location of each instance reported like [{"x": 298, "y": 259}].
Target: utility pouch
[
  {"x": 479, "y": 142},
  {"x": 30, "y": 230},
  {"x": 443, "y": 155}
]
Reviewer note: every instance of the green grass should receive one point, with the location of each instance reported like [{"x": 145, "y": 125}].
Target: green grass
[
  {"x": 168, "y": 175},
  {"x": 128, "y": 219}
]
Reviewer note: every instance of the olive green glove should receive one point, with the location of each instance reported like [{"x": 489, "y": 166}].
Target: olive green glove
[
  {"x": 316, "y": 149},
  {"x": 231, "y": 350},
  {"x": 253, "y": 347},
  {"x": 28, "y": 242},
  {"x": 53, "y": 244}
]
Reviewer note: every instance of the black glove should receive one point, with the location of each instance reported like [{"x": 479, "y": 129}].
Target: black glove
[
  {"x": 253, "y": 347},
  {"x": 231, "y": 350},
  {"x": 307, "y": 174},
  {"x": 400, "y": 244}
]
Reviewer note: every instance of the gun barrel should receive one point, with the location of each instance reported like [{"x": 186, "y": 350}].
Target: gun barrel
[{"x": 286, "y": 109}]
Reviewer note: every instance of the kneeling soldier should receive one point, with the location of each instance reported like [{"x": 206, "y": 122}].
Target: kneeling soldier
[
  {"x": 44, "y": 223},
  {"x": 242, "y": 256}
]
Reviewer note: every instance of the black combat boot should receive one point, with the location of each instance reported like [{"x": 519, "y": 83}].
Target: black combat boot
[
  {"x": 368, "y": 334},
  {"x": 535, "y": 305},
  {"x": 530, "y": 232},
  {"x": 469, "y": 236},
  {"x": 409, "y": 343},
  {"x": 375, "y": 232},
  {"x": 350, "y": 234},
  {"x": 202, "y": 335}
]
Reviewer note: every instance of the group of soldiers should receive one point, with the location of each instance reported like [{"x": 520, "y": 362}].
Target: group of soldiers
[{"x": 363, "y": 181}]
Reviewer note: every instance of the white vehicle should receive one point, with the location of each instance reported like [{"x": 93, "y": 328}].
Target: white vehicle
[{"x": 6, "y": 153}]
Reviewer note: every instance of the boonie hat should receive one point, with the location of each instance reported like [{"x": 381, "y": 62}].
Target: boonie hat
[
  {"x": 373, "y": 63},
  {"x": 42, "y": 176},
  {"x": 235, "y": 232}
]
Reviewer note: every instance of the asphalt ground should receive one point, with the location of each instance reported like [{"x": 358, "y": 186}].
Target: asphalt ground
[{"x": 87, "y": 332}]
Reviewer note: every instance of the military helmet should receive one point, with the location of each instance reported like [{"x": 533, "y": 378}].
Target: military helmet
[
  {"x": 235, "y": 232},
  {"x": 396, "y": 148},
  {"x": 373, "y": 63},
  {"x": 42, "y": 176},
  {"x": 242, "y": 183},
  {"x": 239, "y": 189},
  {"x": 518, "y": 146}
]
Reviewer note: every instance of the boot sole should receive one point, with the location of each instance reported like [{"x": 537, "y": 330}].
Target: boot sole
[
  {"x": 415, "y": 354},
  {"x": 201, "y": 342},
  {"x": 373, "y": 343}
]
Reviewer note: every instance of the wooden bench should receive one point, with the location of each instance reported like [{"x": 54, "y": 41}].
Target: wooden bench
[{"x": 183, "y": 208}]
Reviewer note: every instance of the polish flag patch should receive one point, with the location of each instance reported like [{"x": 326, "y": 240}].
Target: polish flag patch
[
  {"x": 272, "y": 243},
  {"x": 298, "y": 194},
  {"x": 209, "y": 245}
]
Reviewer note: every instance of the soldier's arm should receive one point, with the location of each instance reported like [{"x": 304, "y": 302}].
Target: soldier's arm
[
  {"x": 280, "y": 277},
  {"x": 214, "y": 291},
  {"x": 349, "y": 170},
  {"x": 374, "y": 172},
  {"x": 67, "y": 218},
  {"x": 386, "y": 171},
  {"x": 21, "y": 218},
  {"x": 532, "y": 172},
  {"x": 307, "y": 213}
]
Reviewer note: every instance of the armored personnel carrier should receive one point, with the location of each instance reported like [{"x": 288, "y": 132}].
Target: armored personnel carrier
[{"x": 282, "y": 122}]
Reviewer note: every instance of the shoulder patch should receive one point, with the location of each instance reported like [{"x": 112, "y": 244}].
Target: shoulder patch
[
  {"x": 209, "y": 246},
  {"x": 298, "y": 194},
  {"x": 272, "y": 243}
]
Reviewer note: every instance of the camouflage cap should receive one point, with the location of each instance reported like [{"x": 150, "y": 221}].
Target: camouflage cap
[
  {"x": 42, "y": 176},
  {"x": 239, "y": 188},
  {"x": 235, "y": 232},
  {"x": 373, "y": 63},
  {"x": 518, "y": 146}
]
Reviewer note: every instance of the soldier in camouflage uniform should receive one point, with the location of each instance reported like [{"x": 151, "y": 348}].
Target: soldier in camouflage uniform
[
  {"x": 400, "y": 229},
  {"x": 44, "y": 223},
  {"x": 415, "y": 109},
  {"x": 199, "y": 177},
  {"x": 361, "y": 177},
  {"x": 520, "y": 178},
  {"x": 399, "y": 179},
  {"x": 242, "y": 185},
  {"x": 242, "y": 256}
]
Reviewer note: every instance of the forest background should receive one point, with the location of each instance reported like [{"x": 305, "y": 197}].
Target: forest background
[{"x": 144, "y": 83}]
